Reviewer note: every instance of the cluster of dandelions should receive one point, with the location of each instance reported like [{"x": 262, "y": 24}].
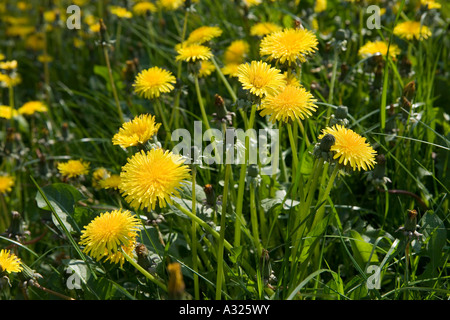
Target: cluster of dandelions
[
  {"x": 151, "y": 177},
  {"x": 288, "y": 101}
]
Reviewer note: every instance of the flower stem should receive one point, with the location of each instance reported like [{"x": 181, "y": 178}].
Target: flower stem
[
  {"x": 113, "y": 86},
  {"x": 220, "y": 274},
  {"x": 143, "y": 271},
  {"x": 240, "y": 195},
  {"x": 200, "y": 102},
  {"x": 293, "y": 149},
  {"x": 194, "y": 236}
]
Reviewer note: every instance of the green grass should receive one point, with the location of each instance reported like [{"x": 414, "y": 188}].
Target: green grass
[{"x": 304, "y": 233}]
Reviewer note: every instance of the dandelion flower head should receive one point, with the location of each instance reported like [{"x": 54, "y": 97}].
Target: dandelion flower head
[
  {"x": 260, "y": 78},
  {"x": 109, "y": 232},
  {"x": 150, "y": 83},
  {"x": 412, "y": 30},
  {"x": 73, "y": 168},
  {"x": 291, "y": 103},
  {"x": 378, "y": 47},
  {"x": 193, "y": 52},
  {"x": 152, "y": 177},
  {"x": 32, "y": 107},
  {"x": 289, "y": 45},
  {"x": 137, "y": 131},
  {"x": 6, "y": 183},
  {"x": 350, "y": 148},
  {"x": 9, "y": 262}
]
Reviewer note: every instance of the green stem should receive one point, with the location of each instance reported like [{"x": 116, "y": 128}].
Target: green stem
[
  {"x": 143, "y": 271},
  {"x": 254, "y": 219},
  {"x": 319, "y": 215},
  {"x": 113, "y": 86},
  {"x": 194, "y": 237},
  {"x": 220, "y": 262},
  {"x": 241, "y": 188},
  {"x": 200, "y": 102},
  {"x": 293, "y": 149},
  {"x": 203, "y": 224}
]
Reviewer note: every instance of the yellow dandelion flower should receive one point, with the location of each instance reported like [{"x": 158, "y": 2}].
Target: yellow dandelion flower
[
  {"x": 251, "y": 3},
  {"x": 9, "y": 262},
  {"x": 378, "y": 47},
  {"x": 43, "y": 58},
  {"x": 291, "y": 103},
  {"x": 231, "y": 69},
  {"x": 8, "y": 65},
  {"x": 291, "y": 79},
  {"x": 289, "y": 45},
  {"x": 152, "y": 82},
  {"x": 143, "y": 8},
  {"x": 203, "y": 34},
  {"x": 152, "y": 177},
  {"x": 260, "y": 78},
  {"x": 7, "y": 112},
  {"x": 100, "y": 174},
  {"x": 109, "y": 232},
  {"x": 350, "y": 148},
  {"x": 120, "y": 12},
  {"x": 35, "y": 41},
  {"x": 206, "y": 68},
  {"x": 236, "y": 52},
  {"x": 430, "y": 4},
  {"x": 19, "y": 30},
  {"x": 137, "y": 131},
  {"x": 10, "y": 80},
  {"x": 32, "y": 107},
  {"x": 73, "y": 168},
  {"x": 412, "y": 30},
  {"x": 6, "y": 183},
  {"x": 111, "y": 182},
  {"x": 261, "y": 29},
  {"x": 320, "y": 6},
  {"x": 170, "y": 5},
  {"x": 193, "y": 52}
]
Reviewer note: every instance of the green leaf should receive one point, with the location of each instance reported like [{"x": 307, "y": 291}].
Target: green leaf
[
  {"x": 363, "y": 251},
  {"x": 436, "y": 236},
  {"x": 62, "y": 197}
]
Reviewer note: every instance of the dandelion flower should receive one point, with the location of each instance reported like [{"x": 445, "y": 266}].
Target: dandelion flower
[
  {"x": 206, "y": 68},
  {"x": 73, "y": 168},
  {"x": 251, "y": 3},
  {"x": 193, "y": 52},
  {"x": 6, "y": 183},
  {"x": 260, "y": 78},
  {"x": 236, "y": 52},
  {"x": 111, "y": 231},
  {"x": 152, "y": 82},
  {"x": 143, "y": 8},
  {"x": 261, "y": 29},
  {"x": 231, "y": 69},
  {"x": 111, "y": 182},
  {"x": 412, "y": 30},
  {"x": 289, "y": 45},
  {"x": 203, "y": 34},
  {"x": 121, "y": 12},
  {"x": 378, "y": 47},
  {"x": 7, "y": 112},
  {"x": 170, "y": 5},
  {"x": 151, "y": 177},
  {"x": 31, "y": 107},
  {"x": 320, "y": 6},
  {"x": 9, "y": 262},
  {"x": 8, "y": 65},
  {"x": 350, "y": 148},
  {"x": 291, "y": 103},
  {"x": 431, "y": 4},
  {"x": 176, "y": 284},
  {"x": 137, "y": 131}
]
